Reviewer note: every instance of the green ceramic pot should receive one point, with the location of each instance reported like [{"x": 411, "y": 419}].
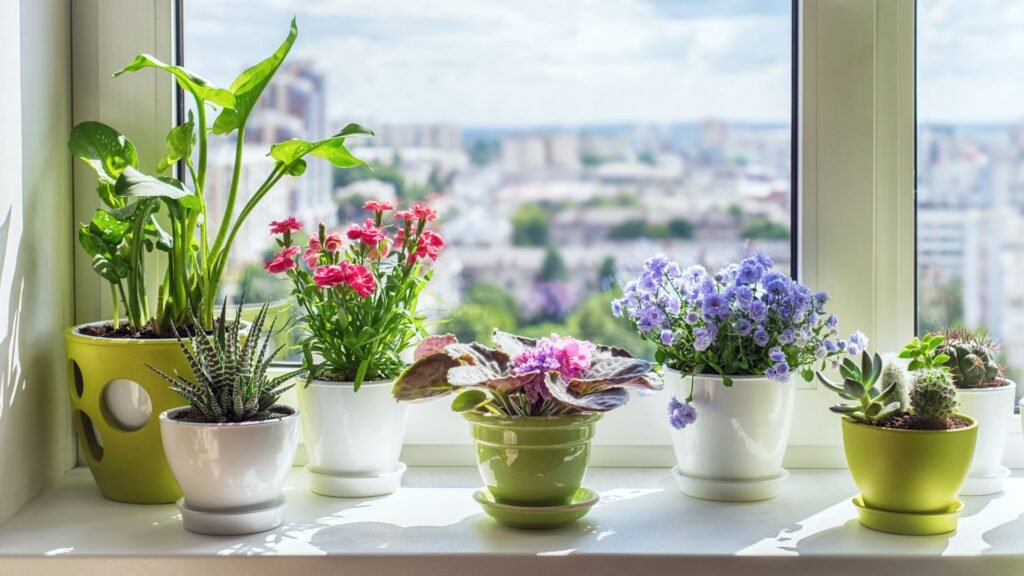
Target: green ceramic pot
[
  {"x": 120, "y": 442},
  {"x": 533, "y": 460},
  {"x": 909, "y": 471}
]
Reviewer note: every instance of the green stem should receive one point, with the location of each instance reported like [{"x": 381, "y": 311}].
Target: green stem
[
  {"x": 113, "y": 295},
  {"x": 229, "y": 207}
]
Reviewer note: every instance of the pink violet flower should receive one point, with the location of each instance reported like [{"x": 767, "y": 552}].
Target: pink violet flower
[
  {"x": 378, "y": 206},
  {"x": 289, "y": 224},
  {"x": 563, "y": 354},
  {"x": 368, "y": 234},
  {"x": 283, "y": 261},
  {"x": 329, "y": 276}
]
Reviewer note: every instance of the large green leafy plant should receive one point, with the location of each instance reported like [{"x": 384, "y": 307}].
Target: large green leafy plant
[{"x": 126, "y": 228}]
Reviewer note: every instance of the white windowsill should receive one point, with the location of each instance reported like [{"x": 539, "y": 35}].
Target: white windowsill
[{"x": 642, "y": 525}]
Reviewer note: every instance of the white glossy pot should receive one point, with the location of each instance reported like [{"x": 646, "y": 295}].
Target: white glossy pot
[
  {"x": 351, "y": 434},
  {"x": 230, "y": 467},
  {"x": 739, "y": 436},
  {"x": 993, "y": 409}
]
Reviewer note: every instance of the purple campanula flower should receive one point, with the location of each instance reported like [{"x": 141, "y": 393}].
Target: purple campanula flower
[
  {"x": 749, "y": 272},
  {"x": 743, "y": 326},
  {"x": 617, "y": 308},
  {"x": 830, "y": 346},
  {"x": 692, "y": 317},
  {"x": 715, "y": 306},
  {"x": 858, "y": 342},
  {"x": 763, "y": 260},
  {"x": 780, "y": 372},
  {"x": 758, "y": 310},
  {"x": 704, "y": 337},
  {"x": 821, "y": 352},
  {"x": 761, "y": 337},
  {"x": 681, "y": 415},
  {"x": 786, "y": 337},
  {"x": 777, "y": 355},
  {"x": 832, "y": 321},
  {"x": 667, "y": 337}
]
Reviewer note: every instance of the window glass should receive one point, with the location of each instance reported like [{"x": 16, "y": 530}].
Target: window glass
[
  {"x": 970, "y": 170},
  {"x": 562, "y": 142}
]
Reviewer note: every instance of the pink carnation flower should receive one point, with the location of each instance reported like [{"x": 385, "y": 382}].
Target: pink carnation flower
[
  {"x": 283, "y": 261},
  {"x": 289, "y": 224}
]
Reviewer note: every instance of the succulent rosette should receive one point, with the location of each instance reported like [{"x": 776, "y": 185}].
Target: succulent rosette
[
  {"x": 524, "y": 376},
  {"x": 744, "y": 320}
]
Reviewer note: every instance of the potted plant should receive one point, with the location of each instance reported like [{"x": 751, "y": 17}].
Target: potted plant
[
  {"x": 533, "y": 406},
  {"x": 359, "y": 313},
  {"x": 115, "y": 398},
  {"x": 985, "y": 395},
  {"x": 232, "y": 446},
  {"x": 907, "y": 447},
  {"x": 730, "y": 344}
]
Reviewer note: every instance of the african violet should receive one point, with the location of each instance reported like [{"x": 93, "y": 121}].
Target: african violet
[{"x": 523, "y": 376}]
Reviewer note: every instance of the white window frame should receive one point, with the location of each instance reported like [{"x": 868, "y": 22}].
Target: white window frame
[{"x": 855, "y": 183}]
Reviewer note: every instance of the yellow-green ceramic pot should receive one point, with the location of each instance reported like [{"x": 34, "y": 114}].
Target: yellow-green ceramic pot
[
  {"x": 533, "y": 460},
  {"x": 120, "y": 441},
  {"x": 909, "y": 471}
]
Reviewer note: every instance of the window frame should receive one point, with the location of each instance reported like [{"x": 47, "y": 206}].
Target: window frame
[{"x": 853, "y": 162}]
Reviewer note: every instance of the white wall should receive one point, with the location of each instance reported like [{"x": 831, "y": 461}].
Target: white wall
[{"x": 36, "y": 244}]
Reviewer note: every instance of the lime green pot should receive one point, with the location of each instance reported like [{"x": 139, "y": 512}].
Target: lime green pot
[
  {"x": 116, "y": 401},
  {"x": 909, "y": 471},
  {"x": 533, "y": 460}
]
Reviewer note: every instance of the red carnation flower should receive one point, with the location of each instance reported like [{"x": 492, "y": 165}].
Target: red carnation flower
[
  {"x": 283, "y": 261},
  {"x": 424, "y": 212},
  {"x": 329, "y": 276},
  {"x": 312, "y": 254},
  {"x": 360, "y": 279},
  {"x": 406, "y": 215},
  {"x": 378, "y": 206},
  {"x": 368, "y": 234},
  {"x": 289, "y": 224},
  {"x": 333, "y": 242},
  {"x": 428, "y": 246}
]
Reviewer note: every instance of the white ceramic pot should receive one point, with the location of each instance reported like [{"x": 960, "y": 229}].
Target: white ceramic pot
[
  {"x": 352, "y": 438},
  {"x": 993, "y": 409},
  {"x": 224, "y": 469},
  {"x": 734, "y": 449}
]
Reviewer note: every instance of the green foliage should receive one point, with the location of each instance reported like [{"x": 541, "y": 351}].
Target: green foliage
[
  {"x": 633, "y": 229},
  {"x": 530, "y": 226},
  {"x": 483, "y": 152},
  {"x": 469, "y": 321},
  {"x": 924, "y": 352},
  {"x": 628, "y": 230},
  {"x": 764, "y": 229},
  {"x": 680, "y": 228},
  {"x": 552, "y": 269},
  {"x": 940, "y": 304},
  {"x": 231, "y": 383},
  {"x": 118, "y": 239},
  {"x": 972, "y": 357},
  {"x": 861, "y": 385},
  {"x": 933, "y": 396}
]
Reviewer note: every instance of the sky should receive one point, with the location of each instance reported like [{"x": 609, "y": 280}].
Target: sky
[
  {"x": 575, "y": 62},
  {"x": 516, "y": 62}
]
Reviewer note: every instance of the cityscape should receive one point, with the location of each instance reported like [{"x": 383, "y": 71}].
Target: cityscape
[{"x": 544, "y": 218}]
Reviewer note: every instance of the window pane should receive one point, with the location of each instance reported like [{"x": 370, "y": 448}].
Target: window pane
[
  {"x": 970, "y": 169},
  {"x": 563, "y": 142}
]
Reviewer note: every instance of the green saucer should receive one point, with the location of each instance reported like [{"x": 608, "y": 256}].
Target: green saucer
[
  {"x": 538, "y": 517},
  {"x": 909, "y": 523}
]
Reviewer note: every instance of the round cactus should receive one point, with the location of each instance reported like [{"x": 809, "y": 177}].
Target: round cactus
[
  {"x": 972, "y": 358},
  {"x": 933, "y": 396},
  {"x": 893, "y": 372}
]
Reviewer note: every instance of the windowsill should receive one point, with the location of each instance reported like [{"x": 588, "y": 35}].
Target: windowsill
[{"x": 642, "y": 521}]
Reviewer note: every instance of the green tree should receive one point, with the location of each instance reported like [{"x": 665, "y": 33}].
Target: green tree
[
  {"x": 483, "y": 152},
  {"x": 493, "y": 297},
  {"x": 474, "y": 323},
  {"x": 530, "y": 225},
  {"x": 608, "y": 271},
  {"x": 764, "y": 229},
  {"x": 628, "y": 230},
  {"x": 680, "y": 228},
  {"x": 552, "y": 269},
  {"x": 736, "y": 212},
  {"x": 592, "y": 320}
]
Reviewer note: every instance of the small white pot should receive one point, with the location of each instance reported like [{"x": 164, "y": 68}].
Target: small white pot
[
  {"x": 353, "y": 439},
  {"x": 993, "y": 409},
  {"x": 231, "y": 474},
  {"x": 734, "y": 449}
]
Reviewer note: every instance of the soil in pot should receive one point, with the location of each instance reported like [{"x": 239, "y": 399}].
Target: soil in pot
[
  {"x": 912, "y": 422},
  {"x": 190, "y": 415},
  {"x": 125, "y": 331}
]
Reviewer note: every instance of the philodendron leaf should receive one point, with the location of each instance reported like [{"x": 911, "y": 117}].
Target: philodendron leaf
[
  {"x": 425, "y": 378},
  {"x": 250, "y": 84},
  {"x": 192, "y": 83},
  {"x": 133, "y": 183},
  {"x": 108, "y": 151},
  {"x": 332, "y": 149},
  {"x": 180, "y": 141},
  {"x": 602, "y": 401},
  {"x": 110, "y": 227},
  {"x": 469, "y": 400}
]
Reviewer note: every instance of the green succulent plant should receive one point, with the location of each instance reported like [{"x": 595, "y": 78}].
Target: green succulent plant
[
  {"x": 861, "y": 384},
  {"x": 231, "y": 382},
  {"x": 933, "y": 396},
  {"x": 924, "y": 352},
  {"x": 971, "y": 358},
  {"x": 893, "y": 372}
]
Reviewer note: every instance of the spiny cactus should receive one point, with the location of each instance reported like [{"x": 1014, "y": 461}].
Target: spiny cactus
[
  {"x": 231, "y": 383},
  {"x": 893, "y": 373},
  {"x": 972, "y": 358},
  {"x": 933, "y": 396}
]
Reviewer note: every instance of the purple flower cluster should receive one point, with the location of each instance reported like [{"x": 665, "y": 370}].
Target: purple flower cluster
[
  {"x": 680, "y": 414},
  {"x": 563, "y": 354},
  {"x": 746, "y": 319}
]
